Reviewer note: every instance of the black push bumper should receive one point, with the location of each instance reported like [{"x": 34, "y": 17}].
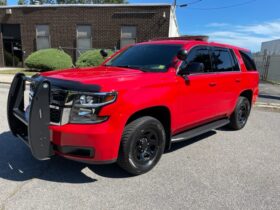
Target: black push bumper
[{"x": 31, "y": 126}]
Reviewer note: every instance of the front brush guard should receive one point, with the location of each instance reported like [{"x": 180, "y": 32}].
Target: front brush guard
[{"x": 32, "y": 127}]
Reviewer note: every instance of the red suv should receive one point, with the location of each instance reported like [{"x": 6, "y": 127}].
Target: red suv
[{"x": 132, "y": 107}]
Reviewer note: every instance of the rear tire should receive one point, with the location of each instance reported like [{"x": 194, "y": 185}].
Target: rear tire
[
  {"x": 142, "y": 145},
  {"x": 241, "y": 113}
]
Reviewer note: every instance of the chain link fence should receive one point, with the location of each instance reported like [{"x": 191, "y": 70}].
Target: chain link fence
[{"x": 268, "y": 67}]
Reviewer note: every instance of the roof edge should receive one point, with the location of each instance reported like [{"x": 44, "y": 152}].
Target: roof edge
[{"x": 86, "y": 5}]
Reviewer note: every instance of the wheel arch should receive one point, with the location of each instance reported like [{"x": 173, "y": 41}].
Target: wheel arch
[
  {"x": 161, "y": 113},
  {"x": 248, "y": 94}
]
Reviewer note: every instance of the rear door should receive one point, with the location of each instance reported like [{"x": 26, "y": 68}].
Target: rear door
[{"x": 228, "y": 78}]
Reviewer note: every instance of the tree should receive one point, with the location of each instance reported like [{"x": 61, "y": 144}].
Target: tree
[
  {"x": 50, "y": 2},
  {"x": 115, "y": 2},
  {"x": 3, "y": 2},
  {"x": 42, "y": 1},
  {"x": 91, "y": 1},
  {"x": 22, "y": 2},
  {"x": 73, "y": 1},
  {"x": 33, "y": 2}
]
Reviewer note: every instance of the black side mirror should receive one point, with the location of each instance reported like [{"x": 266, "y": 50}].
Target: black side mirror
[
  {"x": 195, "y": 67},
  {"x": 103, "y": 53},
  {"x": 182, "y": 54}
]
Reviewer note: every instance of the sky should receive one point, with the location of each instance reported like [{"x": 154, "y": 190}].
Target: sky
[{"x": 245, "y": 23}]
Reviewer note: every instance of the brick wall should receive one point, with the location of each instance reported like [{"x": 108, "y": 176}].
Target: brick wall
[{"x": 106, "y": 23}]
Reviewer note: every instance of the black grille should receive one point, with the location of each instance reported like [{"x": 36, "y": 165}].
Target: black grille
[
  {"x": 58, "y": 98},
  {"x": 55, "y": 115}
]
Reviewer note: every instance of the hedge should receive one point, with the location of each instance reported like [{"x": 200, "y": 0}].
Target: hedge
[
  {"x": 9, "y": 59},
  {"x": 91, "y": 58},
  {"x": 48, "y": 59}
]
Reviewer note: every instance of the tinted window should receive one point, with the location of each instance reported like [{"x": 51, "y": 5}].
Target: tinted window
[
  {"x": 235, "y": 62},
  {"x": 148, "y": 57},
  {"x": 198, "y": 55},
  {"x": 248, "y": 60},
  {"x": 222, "y": 60}
]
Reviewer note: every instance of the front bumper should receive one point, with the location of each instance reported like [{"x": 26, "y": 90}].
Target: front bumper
[
  {"x": 96, "y": 143},
  {"x": 104, "y": 138}
]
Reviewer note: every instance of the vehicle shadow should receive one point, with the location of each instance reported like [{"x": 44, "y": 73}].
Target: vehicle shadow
[
  {"x": 269, "y": 97},
  {"x": 18, "y": 164}
]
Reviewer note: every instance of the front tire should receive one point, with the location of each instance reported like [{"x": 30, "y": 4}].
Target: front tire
[
  {"x": 241, "y": 113},
  {"x": 142, "y": 145}
]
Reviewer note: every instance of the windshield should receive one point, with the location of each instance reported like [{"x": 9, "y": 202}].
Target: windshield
[{"x": 146, "y": 57}]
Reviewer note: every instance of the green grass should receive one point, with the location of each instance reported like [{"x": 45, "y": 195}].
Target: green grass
[{"x": 14, "y": 71}]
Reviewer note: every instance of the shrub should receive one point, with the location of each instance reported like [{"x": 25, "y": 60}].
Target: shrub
[
  {"x": 9, "y": 59},
  {"x": 91, "y": 58},
  {"x": 48, "y": 59}
]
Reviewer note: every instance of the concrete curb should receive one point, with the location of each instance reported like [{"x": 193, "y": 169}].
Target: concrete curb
[
  {"x": 6, "y": 83},
  {"x": 271, "y": 82},
  {"x": 267, "y": 106},
  {"x": 6, "y": 78}
]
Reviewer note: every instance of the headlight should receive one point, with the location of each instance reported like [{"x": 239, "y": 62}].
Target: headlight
[{"x": 85, "y": 107}]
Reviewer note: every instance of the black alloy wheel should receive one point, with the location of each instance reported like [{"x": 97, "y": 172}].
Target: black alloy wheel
[
  {"x": 241, "y": 113},
  {"x": 142, "y": 145},
  {"x": 146, "y": 147}
]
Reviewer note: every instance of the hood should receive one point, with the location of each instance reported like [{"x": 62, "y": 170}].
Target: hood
[{"x": 108, "y": 78}]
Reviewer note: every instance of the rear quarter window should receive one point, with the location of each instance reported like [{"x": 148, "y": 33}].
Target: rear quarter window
[{"x": 248, "y": 60}]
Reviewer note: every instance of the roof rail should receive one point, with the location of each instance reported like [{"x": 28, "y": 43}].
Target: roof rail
[{"x": 184, "y": 37}]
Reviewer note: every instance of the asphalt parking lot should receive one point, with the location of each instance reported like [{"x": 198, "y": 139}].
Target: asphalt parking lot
[{"x": 219, "y": 170}]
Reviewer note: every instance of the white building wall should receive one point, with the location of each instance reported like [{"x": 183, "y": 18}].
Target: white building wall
[
  {"x": 271, "y": 47},
  {"x": 173, "y": 26}
]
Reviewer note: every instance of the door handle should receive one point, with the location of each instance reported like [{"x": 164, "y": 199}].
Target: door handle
[
  {"x": 212, "y": 84},
  {"x": 238, "y": 80}
]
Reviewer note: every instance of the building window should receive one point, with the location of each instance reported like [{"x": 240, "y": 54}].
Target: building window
[
  {"x": 128, "y": 35},
  {"x": 84, "y": 39},
  {"x": 42, "y": 37}
]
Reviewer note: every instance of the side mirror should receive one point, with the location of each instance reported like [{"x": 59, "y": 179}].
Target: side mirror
[
  {"x": 103, "y": 53},
  {"x": 195, "y": 67},
  {"x": 182, "y": 54}
]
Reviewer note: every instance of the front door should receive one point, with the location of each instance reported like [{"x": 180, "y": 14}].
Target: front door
[
  {"x": 197, "y": 94},
  {"x": 12, "y": 45}
]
